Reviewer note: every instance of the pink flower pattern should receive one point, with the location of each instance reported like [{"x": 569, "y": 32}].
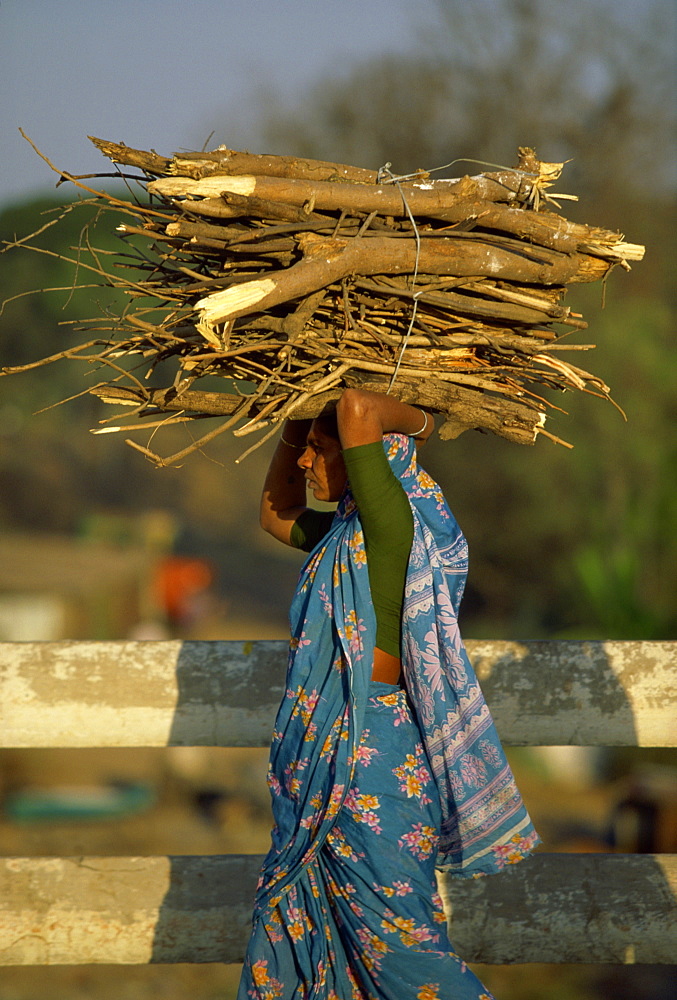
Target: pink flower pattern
[
  {"x": 414, "y": 775},
  {"x": 393, "y": 924},
  {"x": 473, "y": 770}
]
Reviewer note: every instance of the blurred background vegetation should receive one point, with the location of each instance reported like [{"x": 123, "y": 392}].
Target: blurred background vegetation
[
  {"x": 573, "y": 544},
  {"x": 562, "y": 543}
]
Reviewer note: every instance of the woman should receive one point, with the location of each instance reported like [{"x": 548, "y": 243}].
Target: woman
[{"x": 384, "y": 763}]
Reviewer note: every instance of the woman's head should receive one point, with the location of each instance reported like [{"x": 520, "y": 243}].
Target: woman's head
[{"x": 322, "y": 460}]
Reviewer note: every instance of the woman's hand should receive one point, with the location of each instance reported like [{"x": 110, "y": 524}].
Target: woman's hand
[{"x": 365, "y": 416}]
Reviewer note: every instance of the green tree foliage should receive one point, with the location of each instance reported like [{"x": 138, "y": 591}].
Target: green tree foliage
[{"x": 49, "y": 292}]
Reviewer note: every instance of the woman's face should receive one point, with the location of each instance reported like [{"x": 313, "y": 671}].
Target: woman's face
[{"x": 323, "y": 464}]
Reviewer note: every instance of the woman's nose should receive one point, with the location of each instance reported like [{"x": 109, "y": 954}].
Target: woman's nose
[{"x": 304, "y": 460}]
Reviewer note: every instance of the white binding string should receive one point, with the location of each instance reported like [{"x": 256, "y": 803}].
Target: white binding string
[{"x": 391, "y": 179}]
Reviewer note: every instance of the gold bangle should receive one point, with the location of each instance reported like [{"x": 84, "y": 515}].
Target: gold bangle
[{"x": 299, "y": 447}]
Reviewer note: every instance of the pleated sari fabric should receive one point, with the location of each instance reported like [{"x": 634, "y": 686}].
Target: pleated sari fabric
[{"x": 375, "y": 786}]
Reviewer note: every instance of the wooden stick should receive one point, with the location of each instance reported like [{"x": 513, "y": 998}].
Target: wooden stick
[
  {"x": 386, "y": 199},
  {"x": 229, "y": 161},
  {"x": 328, "y": 261},
  {"x": 530, "y": 311},
  {"x": 119, "y": 153},
  {"x": 465, "y": 408},
  {"x": 250, "y": 207}
]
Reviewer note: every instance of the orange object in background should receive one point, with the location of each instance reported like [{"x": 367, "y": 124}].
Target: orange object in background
[{"x": 180, "y": 582}]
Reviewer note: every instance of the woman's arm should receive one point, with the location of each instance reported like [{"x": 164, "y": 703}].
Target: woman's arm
[
  {"x": 365, "y": 416},
  {"x": 284, "y": 490}
]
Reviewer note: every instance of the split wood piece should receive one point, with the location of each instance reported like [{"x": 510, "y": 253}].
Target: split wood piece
[{"x": 329, "y": 261}]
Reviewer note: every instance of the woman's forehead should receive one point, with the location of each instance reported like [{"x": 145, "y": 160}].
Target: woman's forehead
[{"x": 316, "y": 436}]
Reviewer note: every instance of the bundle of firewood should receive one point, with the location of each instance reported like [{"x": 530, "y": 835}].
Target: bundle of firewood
[{"x": 293, "y": 278}]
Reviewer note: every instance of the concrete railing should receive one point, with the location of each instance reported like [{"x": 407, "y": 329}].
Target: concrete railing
[{"x": 554, "y": 908}]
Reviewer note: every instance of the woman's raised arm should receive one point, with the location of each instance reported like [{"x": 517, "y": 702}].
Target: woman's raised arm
[
  {"x": 284, "y": 489},
  {"x": 365, "y": 416}
]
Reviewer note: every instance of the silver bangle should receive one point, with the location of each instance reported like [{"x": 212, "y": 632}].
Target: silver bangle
[
  {"x": 425, "y": 424},
  {"x": 299, "y": 447}
]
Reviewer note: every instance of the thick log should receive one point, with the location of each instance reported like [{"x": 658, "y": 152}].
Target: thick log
[
  {"x": 550, "y": 908},
  {"x": 107, "y": 694},
  {"x": 462, "y": 409},
  {"x": 421, "y": 198},
  {"x": 328, "y": 261},
  {"x": 233, "y": 163}
]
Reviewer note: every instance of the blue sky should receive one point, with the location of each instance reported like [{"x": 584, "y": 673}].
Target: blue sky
[{"x": 166, "y": 73}]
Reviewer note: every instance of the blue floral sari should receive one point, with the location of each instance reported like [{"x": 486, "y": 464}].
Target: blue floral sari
[{"x": 374, "y": 786}]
